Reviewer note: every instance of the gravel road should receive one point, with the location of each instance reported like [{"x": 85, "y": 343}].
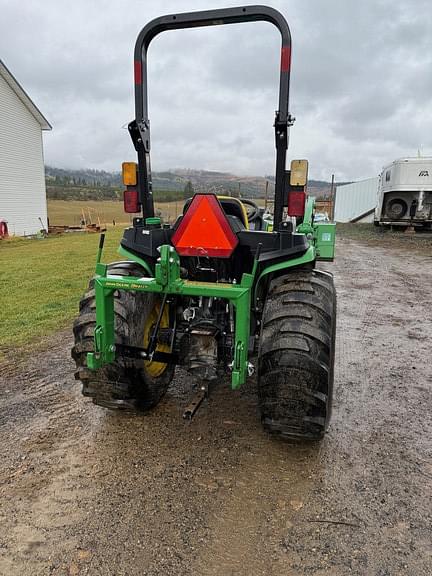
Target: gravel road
[{"x": 86, "y": 491}]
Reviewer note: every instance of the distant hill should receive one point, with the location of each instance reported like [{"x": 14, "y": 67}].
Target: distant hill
[{"x": 87, "y": 184}]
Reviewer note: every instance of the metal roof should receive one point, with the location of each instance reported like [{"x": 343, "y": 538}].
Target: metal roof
[{"x": 23, "y": 96}]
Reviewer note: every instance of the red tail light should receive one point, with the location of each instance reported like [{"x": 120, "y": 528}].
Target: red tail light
[
  {"x": 131, "y": 201},
  {"x": 296, "y": 203},
  {"x": 204, "y": 230}
]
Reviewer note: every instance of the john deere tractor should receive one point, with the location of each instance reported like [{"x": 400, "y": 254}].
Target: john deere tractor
[{"x": 221, "y": 291}]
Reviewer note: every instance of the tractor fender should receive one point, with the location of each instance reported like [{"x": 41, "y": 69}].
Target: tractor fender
[
  {"x": 133, "y": 257},
  {"x": 280, "y": 268}
]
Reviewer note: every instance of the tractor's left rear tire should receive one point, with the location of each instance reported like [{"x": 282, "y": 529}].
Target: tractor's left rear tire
[{"x": 126, "y": 383}]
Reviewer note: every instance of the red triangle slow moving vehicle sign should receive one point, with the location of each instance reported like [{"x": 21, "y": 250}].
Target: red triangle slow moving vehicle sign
[{"x": 204, "y": 230}]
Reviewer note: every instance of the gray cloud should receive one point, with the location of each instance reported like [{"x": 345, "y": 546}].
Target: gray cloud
[{"x": 361, "y": 83}]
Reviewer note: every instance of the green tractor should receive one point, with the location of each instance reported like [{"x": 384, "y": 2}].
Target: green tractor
[{"x": 222, "y": 291}]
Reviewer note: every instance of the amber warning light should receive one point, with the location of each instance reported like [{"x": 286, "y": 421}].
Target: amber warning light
[{"x": 204, "y": 230}]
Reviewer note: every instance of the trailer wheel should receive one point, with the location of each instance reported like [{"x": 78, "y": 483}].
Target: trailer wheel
[
  {"x": 296, "y": 354},
  {"x": 126, "y": 383},
  {"x": 396, "y": 208}
]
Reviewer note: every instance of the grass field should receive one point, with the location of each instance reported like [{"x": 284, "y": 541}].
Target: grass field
[
  {"x": 69, "y": 212},
  {"x": 41, "y": 282}
]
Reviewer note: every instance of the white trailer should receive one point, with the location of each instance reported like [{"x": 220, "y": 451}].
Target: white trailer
[{"x": 405, "y": 193}]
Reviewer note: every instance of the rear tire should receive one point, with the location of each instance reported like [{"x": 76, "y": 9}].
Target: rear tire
[
  {"x": 125, "y": 383},
  {"x": 296, "y": 354}
]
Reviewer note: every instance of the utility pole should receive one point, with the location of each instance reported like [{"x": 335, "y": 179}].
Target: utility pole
[
  {"x": 333, "y": 198},
  {"x": 266, "y": 195}
]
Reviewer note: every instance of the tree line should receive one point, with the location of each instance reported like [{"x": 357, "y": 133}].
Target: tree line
[{"x": 81, "y": 191}]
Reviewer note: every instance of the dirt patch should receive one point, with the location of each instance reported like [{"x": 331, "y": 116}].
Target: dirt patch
[{"x": 86, "y": 491}]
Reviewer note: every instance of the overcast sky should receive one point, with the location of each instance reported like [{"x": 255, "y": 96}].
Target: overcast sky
[{"x": 361, "y": 83}]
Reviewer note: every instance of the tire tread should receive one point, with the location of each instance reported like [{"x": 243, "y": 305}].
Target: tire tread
[
  {"x": 122, "y": 384},
  {"x": 296, "y": 355}
]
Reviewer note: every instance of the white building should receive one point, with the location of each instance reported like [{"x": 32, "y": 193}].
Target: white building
[
  {"x": 22, "y": 173},
  {"x": 356, "y": 202}
]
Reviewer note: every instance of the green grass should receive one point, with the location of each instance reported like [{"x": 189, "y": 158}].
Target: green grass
[{"x": 41, "y": 282}]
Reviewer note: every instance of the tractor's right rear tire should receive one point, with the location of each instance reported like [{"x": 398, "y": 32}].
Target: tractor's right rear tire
[
  {"x": 126, "y": 383},
  {"x": 296, "y": 354}
]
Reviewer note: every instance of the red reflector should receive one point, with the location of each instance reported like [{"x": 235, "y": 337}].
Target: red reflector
[
  {"x": 285, "y": 58},
  {"x": 296, "y": 203},
  {"x": 204, "y": 230},
  {"x": 131, "y": 201},
  {"x": 138, "y": 72}
]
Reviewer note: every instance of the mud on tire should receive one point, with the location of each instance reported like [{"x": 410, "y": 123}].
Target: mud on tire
[
  {"x": 126, "y": 383},
  {"x": 296, "y": 354}
]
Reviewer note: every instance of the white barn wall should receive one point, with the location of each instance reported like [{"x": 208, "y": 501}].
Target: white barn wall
[
  {"x": 22, "y": 177},
  {"x": 355, "y": 199}
]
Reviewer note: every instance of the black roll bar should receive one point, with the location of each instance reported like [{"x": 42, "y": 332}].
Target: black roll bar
[{"x": 140, "y": 128}]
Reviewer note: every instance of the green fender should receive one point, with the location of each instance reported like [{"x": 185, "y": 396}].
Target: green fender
[
  {"x": 123, "y": 252},
  {"x": 306, "y": 258}
]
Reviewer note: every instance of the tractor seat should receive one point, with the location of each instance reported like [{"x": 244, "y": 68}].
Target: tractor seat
[{"x": 231, "y": 207}]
